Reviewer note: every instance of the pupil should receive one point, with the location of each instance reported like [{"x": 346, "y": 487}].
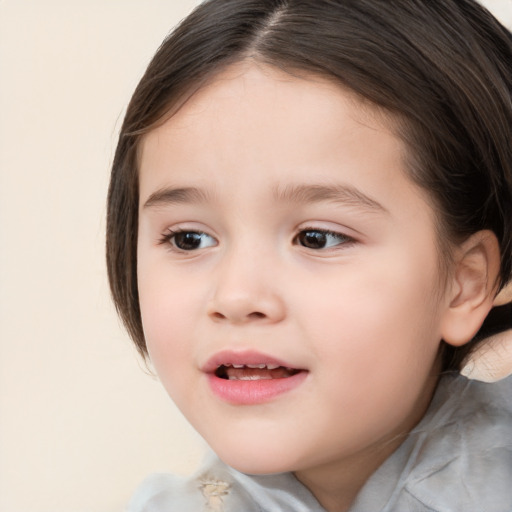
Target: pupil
[
  {"x": 313, "y": 239},
  {"x": 187, "y": 241}
]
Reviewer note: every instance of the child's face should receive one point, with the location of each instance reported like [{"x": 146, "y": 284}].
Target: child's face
[{"x": 300, "y": 242}]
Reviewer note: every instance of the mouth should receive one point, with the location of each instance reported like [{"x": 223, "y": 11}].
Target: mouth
[
  {"x": 254, "y": 371},
  {"x": 250, "y": 378}
]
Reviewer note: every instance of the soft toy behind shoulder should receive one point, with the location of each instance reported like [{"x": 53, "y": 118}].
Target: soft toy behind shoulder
[{"x": 492, "y": 359}]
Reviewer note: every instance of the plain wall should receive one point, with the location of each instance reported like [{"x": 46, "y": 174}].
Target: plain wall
[{"x": 81, "y": 423}]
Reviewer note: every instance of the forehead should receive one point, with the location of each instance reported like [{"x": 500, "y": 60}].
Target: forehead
[
  {"x": 292, "y": 96},
  {"x": 253, "y": 126}
]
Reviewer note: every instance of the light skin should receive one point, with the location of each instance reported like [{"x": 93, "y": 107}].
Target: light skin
[
  {"x": 306, "y": 242},
  {"x": 505, "y": 296}
]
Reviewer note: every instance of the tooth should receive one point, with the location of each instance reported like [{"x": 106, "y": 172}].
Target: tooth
[
  {"x": 258, "y": 366},
  {"x": 272, "y": 366},
  {"x": 237, "y": 365}
]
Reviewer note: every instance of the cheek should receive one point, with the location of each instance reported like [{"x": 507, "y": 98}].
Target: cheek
[
  {"x": 379, "y": 324},
  {"x": 167, "y": 308},
  {"x": 377, "y": 355}
]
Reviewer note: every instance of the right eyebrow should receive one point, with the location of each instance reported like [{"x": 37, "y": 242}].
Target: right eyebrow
[
  {"x": 316, "y": 193},
  {"x": 170, "y": 195}
]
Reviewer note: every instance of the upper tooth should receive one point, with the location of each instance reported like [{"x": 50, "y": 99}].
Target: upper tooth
[{"x": 253, "y": 366}]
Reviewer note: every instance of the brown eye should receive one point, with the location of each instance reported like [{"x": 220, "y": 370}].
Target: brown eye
[
  {"x": 191, "y": 240},
  {"x": 319, "y": 239}
]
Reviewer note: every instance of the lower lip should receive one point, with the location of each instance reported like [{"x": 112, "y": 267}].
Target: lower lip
[{"x": 252, "y": 392}]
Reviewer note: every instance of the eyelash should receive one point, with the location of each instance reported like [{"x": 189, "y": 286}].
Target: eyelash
[
  {"x": 170, "y": 236},
  {"x": 346, "y": 241}
]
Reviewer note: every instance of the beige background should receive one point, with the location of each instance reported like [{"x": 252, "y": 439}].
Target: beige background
[{"x": 80, "y": 422}]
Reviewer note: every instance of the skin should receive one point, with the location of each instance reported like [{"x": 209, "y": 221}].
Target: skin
[
  {"x": 504, "y": 296},
  {"x": 363, "y": 316}
]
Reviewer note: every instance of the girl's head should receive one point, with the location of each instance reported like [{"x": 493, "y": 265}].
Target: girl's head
[{"x": 324, "y": 185}]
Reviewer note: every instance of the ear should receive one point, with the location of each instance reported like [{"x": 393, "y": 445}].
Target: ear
[{"x": 472, "y": 287}]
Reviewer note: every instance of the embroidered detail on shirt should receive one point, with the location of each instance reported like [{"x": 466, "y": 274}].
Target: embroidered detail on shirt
[{"x": 214, "y": 492}]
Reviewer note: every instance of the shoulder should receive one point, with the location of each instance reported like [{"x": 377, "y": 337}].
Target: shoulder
[
  {"x": 216, "y": 487},
  {"x": 464, "y": 454},
  {"x": 164, "y": 492},
  {"x": 212, "y": 488},
  {"x": 458, "y": 458}
]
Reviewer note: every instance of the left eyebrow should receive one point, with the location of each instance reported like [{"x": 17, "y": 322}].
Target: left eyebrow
[
  {"x": 343, "y": 194},
  {"x": 171, "y": 195}
]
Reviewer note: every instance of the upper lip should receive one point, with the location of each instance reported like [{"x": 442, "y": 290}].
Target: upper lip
[{"x": 246, "y": 357}]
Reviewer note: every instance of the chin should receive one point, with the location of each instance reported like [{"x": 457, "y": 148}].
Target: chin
[{"x": 264, "y": 462}]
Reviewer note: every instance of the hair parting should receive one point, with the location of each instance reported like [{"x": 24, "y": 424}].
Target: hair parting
[{"x": 439, "y": 68}]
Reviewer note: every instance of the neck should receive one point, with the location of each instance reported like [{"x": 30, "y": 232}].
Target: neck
[{"x": 336, "y": 484}]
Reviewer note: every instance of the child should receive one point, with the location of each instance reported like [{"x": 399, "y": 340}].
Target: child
[{"x": 309, "y": 218}]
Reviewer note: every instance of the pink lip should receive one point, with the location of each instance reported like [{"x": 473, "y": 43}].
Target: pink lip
[
  {"x": 249, "y": 392},
  {"x": 244, "y": 357}
]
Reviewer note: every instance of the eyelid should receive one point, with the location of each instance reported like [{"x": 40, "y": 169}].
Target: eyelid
[
  {"x": 167, "y": 237},
  {"x": 348, "y": 241},
  {"x": 329, "y": 227}
]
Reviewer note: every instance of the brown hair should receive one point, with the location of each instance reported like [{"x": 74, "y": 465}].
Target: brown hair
[{"x": 440, "y": 67}]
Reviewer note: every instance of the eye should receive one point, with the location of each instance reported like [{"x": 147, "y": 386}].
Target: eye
[
  {"x": 321, "y": 239},
  {"x": 188, "y": 240}
]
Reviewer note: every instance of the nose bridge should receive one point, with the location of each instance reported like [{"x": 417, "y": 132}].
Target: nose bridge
[{"x": 245, "y": 286}]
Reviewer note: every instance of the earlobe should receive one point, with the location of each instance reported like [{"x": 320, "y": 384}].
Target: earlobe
[{"x": 474, "y": 283}]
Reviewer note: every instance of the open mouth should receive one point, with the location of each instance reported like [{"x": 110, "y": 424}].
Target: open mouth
[
  {"x": 254, "y": 372},
  {"x": 250, "y": 378}
]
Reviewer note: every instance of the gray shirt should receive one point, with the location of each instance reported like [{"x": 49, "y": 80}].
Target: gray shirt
[{"x": 457, "y": 459}]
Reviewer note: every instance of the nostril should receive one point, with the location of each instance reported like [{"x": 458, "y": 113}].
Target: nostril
[{"x": 216, "y": 315}]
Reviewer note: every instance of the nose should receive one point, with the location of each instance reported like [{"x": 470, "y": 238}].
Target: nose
[{"x": 246, "y": 291}]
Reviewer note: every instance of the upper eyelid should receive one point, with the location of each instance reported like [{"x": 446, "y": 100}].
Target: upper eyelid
[
  {"x": 185, "y": 227},
  {"x": 345, "y": 240},
  {"x": 170, "y": 232},
  {"x": 327, "y": 232},
  {"x": 333, "y": 231},
  {"x": 298, "y": 230}
]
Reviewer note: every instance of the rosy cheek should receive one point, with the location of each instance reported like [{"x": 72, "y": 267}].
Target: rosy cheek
[{"x": 158, "y": 319}]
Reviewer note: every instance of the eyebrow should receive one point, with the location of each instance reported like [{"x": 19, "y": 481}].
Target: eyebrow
[
  {"x": 341, "y": 194},
  {"x": 170, "y": 195}
]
